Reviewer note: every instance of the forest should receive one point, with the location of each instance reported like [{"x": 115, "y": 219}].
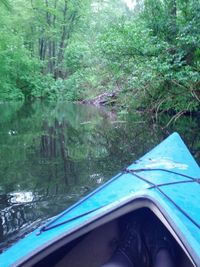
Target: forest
[{"x": 144, "y": 53}]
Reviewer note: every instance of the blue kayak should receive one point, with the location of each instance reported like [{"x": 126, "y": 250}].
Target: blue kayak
[{"x": 165, "y": 181}]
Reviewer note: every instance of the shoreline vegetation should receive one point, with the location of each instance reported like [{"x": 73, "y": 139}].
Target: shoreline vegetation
[{"x": 103, "y": 52}]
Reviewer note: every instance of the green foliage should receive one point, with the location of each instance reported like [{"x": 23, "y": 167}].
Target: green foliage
[
  {"x": 75, "y": 50},
  {"x": 33, "y": 40},
  {"x": 16, "y": 66},
  {"x": 154, "y": 56},
  {"x": 62, "y": 90},
  {"x": 77, "y": 56},
  {"x": 6, "y": 4}
]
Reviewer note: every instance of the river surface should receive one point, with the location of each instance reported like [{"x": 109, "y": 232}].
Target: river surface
[{"x": 52, "y": 154}]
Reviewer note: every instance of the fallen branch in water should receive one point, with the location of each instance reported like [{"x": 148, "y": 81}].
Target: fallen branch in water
[{"x": 102, "y": 99}]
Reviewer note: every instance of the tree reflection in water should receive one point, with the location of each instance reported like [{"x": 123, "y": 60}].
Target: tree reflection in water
[{"x": 53, "y": 154}]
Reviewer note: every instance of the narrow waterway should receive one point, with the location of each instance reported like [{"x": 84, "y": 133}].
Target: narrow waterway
[{"x": 51, "y": 154}]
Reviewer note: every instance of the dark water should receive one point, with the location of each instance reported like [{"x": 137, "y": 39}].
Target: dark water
[{"x": 53, "y": 154}]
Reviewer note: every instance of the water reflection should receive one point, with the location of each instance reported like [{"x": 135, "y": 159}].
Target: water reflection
[{"x": 53, "y": 154}]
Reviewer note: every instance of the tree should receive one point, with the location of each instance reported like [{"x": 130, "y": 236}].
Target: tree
[{"x": 53, "y": 26}]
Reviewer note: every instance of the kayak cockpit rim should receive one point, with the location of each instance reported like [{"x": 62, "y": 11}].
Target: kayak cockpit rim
[{"x": 105, "y": 217}]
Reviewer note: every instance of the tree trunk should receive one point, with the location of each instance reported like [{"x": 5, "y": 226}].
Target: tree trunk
[
  {"x": 67, "y": 28},
  {"x": 173, "y": 15}
]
